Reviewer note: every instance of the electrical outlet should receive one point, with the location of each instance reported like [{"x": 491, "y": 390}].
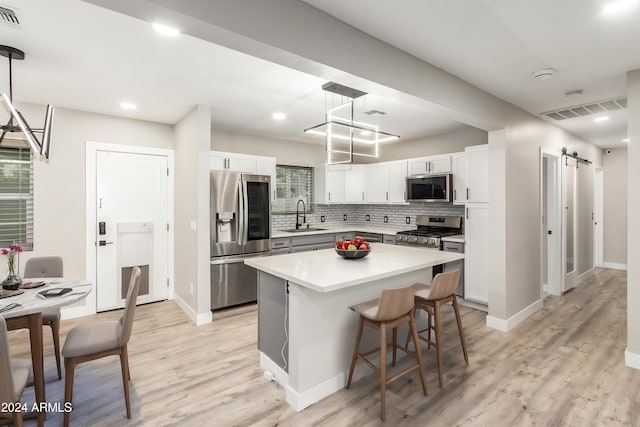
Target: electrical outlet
[
  {"x": 191, "y": 288},
  {"x": 386, "y": 219},
  {"x": 344, "y": 217},
  {"x": 408, "y": 220},
  {"x": 367, "y": 218},
  {"x": 321, "y": 218}
]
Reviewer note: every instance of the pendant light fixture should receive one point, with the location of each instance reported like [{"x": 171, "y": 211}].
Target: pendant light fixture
[
  {"x": 344, "y": 136},
  {"x": 17, "y": 122}
]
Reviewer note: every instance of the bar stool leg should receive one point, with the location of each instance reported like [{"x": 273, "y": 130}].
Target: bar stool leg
[
  {"x": 413, "y": 327},
  {"x": 456, "y": 309},
  {"x": 437, "y": 320},
  {"x": 383, "y": 368},
  {"x": 395, "y": 346},
  {"x": 355, "y": 350}
]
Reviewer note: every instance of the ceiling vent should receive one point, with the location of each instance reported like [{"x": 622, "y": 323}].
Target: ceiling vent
[
  {"x": 587, "y": 109},
  {"x": 8, "y": 16},
  {"x": 372, "y": 112}
]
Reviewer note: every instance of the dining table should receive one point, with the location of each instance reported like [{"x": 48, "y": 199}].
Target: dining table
[{"x": 24, "y": 311}]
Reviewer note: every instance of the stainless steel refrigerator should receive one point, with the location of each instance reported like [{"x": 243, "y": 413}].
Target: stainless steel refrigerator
[{"x": 240, "y": 208}]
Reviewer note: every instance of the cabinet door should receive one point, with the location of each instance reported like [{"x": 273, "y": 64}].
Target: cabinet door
[
  {"x": 378, "y": 183},
  {"x": 397, "y": 182},
  {"x": 217, "y": 161},
  {"x": 418, "y": 166},
  {"x": 478, "y": 174},
  {"x": 476, "y": 261},
  {"x": 334, "y": 180},
  {"x": 267, "y": 166},
  {"x": 439, "y": 164},
  {"x": 459, "y": 163},
  {"x": 355, "y": 183},
  {"x": 245, "y": 164}
]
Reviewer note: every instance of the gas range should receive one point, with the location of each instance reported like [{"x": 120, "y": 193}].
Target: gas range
[{"x": 430, "y": 231}]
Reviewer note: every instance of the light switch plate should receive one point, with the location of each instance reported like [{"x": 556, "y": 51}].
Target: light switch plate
[{"x": 193, "y": 225}]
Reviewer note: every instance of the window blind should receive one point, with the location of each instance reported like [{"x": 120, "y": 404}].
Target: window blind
[
  {"x": 293, "y": 183},
  {"x": 16, "y": 197}
]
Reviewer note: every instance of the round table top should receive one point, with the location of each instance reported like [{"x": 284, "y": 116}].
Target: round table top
[{"x": 32, "y": 302}]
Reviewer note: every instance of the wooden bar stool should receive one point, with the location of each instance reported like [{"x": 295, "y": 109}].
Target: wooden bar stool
[
  {"x": 429, "y": 299},
  {"x": 394, "y": 308}
]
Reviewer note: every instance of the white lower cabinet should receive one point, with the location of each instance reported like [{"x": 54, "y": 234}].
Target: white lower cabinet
[{"x": 476, "y": 260}]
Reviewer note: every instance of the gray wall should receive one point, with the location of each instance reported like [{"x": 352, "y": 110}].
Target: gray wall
[{"x": 615, "y": 207}]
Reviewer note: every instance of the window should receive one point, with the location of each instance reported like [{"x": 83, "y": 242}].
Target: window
[
  {"x": 293, "y": 183},
  {"x": 16, "y": 197}
]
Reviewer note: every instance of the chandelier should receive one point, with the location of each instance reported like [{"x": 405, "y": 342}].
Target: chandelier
[
  {"x": 344, "y": 136},
  {"x": 17, "y": 123}
]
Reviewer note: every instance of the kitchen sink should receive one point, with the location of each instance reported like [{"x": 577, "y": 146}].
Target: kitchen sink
[{"x": 300, "y": 230}]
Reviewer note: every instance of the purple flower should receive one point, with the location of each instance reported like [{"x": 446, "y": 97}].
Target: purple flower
[
  {"x": 5, "y": 251},
  {"x": 15, "y": 247}
]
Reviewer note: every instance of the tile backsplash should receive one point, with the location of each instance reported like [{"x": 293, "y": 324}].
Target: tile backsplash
[{"x": 357, "y": 214}]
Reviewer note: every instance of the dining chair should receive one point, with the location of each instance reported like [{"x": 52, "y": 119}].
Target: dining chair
[
  {"x": 430, "y": 299},
  {"x": 14, "y": 376},
  {"x": 392, "y": 309},
  {"x": 96, "y": 340},
  {"x": 48, "y": 266}
]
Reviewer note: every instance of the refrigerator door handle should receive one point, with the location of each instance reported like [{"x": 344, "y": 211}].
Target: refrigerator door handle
[
  {"x": 241, "y": 223},
  {"x": 245, "y": 213}
]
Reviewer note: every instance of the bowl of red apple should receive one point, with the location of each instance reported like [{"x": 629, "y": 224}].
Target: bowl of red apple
[{"x": 353, "y": 249}]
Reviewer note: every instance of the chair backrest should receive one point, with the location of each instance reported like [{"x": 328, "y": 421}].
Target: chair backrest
[
  {"x": 44, "y": 266},
  {"x": 6, "y": 385},
  {"x": 395, "y": 303},
  {"x": 444, "y": 284},
  {"x": 130, "y": 306}
]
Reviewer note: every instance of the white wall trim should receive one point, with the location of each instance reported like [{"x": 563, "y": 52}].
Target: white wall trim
[
  {"x": 632, "y": 360},
  {"x": 91, "y": 148},
  {"x": 505, "y": 325},
  {"x": 615, "y": 265},
  {"x": 197, "y": 318},
  {"x": 584, "y": 276}
]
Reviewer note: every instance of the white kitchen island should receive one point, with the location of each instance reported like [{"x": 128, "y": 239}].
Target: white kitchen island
[{"x": 306, "y": 331}]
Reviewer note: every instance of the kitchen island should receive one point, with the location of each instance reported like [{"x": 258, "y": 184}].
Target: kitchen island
[{"x": 306, "y": 331}]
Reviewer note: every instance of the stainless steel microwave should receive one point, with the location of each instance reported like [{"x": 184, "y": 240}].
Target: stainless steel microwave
[{"x": 430, "y": 188}]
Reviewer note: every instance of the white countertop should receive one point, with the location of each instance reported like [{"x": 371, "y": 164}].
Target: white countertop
[
  {"x": 458, "y": 238},
  {"x": 326, "y": 271},
  {"x": 342, "y": 229}
]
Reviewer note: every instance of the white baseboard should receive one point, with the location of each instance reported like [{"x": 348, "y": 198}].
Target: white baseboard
[
  {"x": 614, "y": 265},
  {"x": 632, "y": 360},
  {"x": 505, "y": 325},
  {"x": 585, "y": 275},
  {"x": 197, "y": 318}
]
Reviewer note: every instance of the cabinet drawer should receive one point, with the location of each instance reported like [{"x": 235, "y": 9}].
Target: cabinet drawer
[
  {"x": 453, "y": 247},
  {"x": 280, "y": 251},
  {"x": 313, "y": 240},
  {"x": 280, "y": 243}
]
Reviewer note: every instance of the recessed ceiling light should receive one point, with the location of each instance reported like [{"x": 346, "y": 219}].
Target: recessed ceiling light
[
  {"x": 165, "y": 31},
  {"x": 279, "y": 116},
  {"x": 576, "y": 93},
  {"x": 625, "y": 140},
  {"x": 543, "y": 74},
  {"x": 127, "y": 106},
  {"x": 619, "y": 6},
  {"x": 365, "y": 133},
  {"x": 601, "y": 119}
]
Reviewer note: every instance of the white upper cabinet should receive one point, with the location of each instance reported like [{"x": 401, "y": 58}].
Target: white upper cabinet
[
  {"x": 478, "y": 174},
  {"x": 232, "y": 162},
  {"x": 378, "y": 182},
  {"x": 355, "y": 183},
  {"x": 397, "y": 181},
  {"x": 459, "y": 163},
  {"x": 267, "y": 166},
  {"x": 328, "y": 182},
  {"x": 432, "y": 164}
]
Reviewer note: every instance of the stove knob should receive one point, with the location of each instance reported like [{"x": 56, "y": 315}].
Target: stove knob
[{"x": 413, "y": 239}]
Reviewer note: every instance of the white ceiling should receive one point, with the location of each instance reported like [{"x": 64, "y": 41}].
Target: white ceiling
[
  {"x": 84, "y": 57},
  {"x": 497, "y": 44},
  {"x": 88, "y": 58}
]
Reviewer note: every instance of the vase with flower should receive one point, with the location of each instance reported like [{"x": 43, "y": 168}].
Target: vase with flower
[{"x": 12, "y": 281}]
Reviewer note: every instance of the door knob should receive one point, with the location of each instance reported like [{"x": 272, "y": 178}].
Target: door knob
[
  {"x": 104, "y": 243},
  {"x": 549, "y": 232}
]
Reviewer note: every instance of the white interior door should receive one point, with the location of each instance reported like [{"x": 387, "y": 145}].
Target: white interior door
[
  {"x": 132, "y": 217},
  {"x": 569, "y": 196},
  {"x": 598, "y": 200},
  {"x": 551, "y": 230}
]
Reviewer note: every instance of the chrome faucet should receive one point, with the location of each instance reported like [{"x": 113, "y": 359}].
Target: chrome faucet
[{"x": 304, "y": 214}]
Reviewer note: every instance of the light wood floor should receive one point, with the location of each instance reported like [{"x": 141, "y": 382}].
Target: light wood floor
[{"x": 563, "y": 366}]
